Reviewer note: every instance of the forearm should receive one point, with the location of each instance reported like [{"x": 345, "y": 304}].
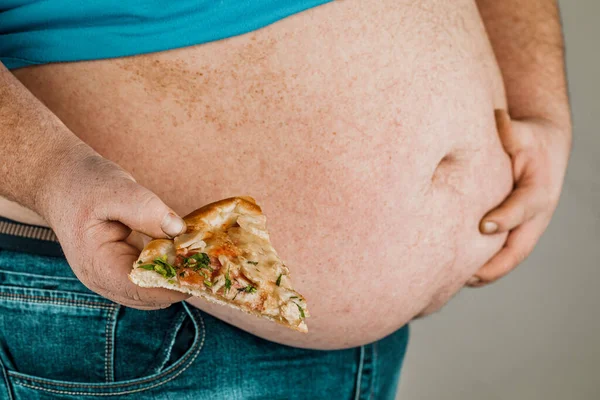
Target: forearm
[
  {"x": 527, "y": 40},
  {"x": 35, "y": 145},
  {"x": 91, "y": 203}
]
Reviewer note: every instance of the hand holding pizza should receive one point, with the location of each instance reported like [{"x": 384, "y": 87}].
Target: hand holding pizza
[
  {"x": 539, "y": 151},
  {"x": 93, "y": 205}
]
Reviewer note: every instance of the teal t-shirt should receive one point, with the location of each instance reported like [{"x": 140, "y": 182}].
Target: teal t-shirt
[{"x": 44, "y": 31}]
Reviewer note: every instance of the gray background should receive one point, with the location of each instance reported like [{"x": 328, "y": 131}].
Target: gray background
[{"x": 536, "y": 333}]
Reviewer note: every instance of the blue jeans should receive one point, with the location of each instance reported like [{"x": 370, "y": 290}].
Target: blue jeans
[{"x": 60, "y": 340}]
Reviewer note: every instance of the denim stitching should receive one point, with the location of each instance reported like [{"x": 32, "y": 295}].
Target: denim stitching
[
  {"x": 373, "y": 370},
  {"x": 196, "y": 354},
  {"x": 54, "y": 293},
  {"x": 7, "y": 382},
  {"x": 83, "y": 385},
  {"x": 359, "y": 373},
  {"x": 108, "y": 346},
  {"x": 179, "y": 324},
  {"x": 51, "y": 300},
  {"x": 3, "y": 271}
]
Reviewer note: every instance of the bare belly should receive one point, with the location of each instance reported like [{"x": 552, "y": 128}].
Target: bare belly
[{"x": 364, "y": 129}]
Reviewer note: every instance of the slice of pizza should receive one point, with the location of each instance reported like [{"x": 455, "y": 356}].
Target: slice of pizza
[{"x": 226, "y": 257}]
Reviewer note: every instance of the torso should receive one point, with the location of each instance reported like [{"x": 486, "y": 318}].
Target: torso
[{"x": 365, "y": 131}]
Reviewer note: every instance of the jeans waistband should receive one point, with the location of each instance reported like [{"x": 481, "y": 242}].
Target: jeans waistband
[{"x": 34, "y": 239}]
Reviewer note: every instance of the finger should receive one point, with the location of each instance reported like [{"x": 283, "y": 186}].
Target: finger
[
  {"x": 138, "y": 306},
  {"x": 138, "y": 240},
  {"x": 514, "y": 135},
  {"x": 121, "y": 283},
  {"x": 111, "y": 278},
  {"x": 122, "y": 300},
  {"x": 142, "y": 211},
  {"x": 151, "y": 308},
  {"x": 522, "y": 205},
  {"x": 129, "y": 301},
  {"x": 519, "y": 245}
]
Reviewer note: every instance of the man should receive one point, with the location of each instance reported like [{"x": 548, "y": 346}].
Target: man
[{"x": 366, "y": 130}]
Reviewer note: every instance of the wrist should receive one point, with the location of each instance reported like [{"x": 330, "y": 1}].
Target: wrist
[
  {"x": 529, "y": 97},
  {"x": 557, "y": 116},
  {"x": 61, "y": 177}
]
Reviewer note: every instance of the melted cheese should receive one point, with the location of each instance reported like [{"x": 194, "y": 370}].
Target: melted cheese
[
  {"x": 246, "y": 252},
  {"x": 192, "y": 240}
]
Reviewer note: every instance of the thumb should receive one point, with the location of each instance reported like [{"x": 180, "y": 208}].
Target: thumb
[
  {"x": 514, "y": 135},
  {"x": 522, "y": 205},
  {"x": 143, "y": 211}
]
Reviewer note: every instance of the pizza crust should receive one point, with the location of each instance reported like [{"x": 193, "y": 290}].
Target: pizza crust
[{"x": 221, "y": 213}]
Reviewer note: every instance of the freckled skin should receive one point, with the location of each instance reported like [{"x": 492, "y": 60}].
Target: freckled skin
[{"x": 365, "y": 132}]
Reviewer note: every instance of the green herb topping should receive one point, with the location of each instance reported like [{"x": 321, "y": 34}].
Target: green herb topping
[
  {"x": 201, "y": 258},
  {"x": 252, "y": 262},
  {"x": 208, "y": 283},
  {"x": 197, "y": 261},
  {"x": 278, "y": 282},
  {"x": 161, "y": 266},
  {"x": 248, "y": 289},
  {"x": 301, "y": 310},
  {"x": 227, "y": 281},
  {"x": 161, "y": 270}
]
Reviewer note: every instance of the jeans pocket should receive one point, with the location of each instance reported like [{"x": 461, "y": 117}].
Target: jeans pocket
[{"x": 58, "y": 338}]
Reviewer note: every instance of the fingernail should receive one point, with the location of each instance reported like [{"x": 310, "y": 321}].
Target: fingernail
[
  {"x": 172, "y": 224},
  {"x": 489, "y": 227},
  {"x": 473, "y": 280}
]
